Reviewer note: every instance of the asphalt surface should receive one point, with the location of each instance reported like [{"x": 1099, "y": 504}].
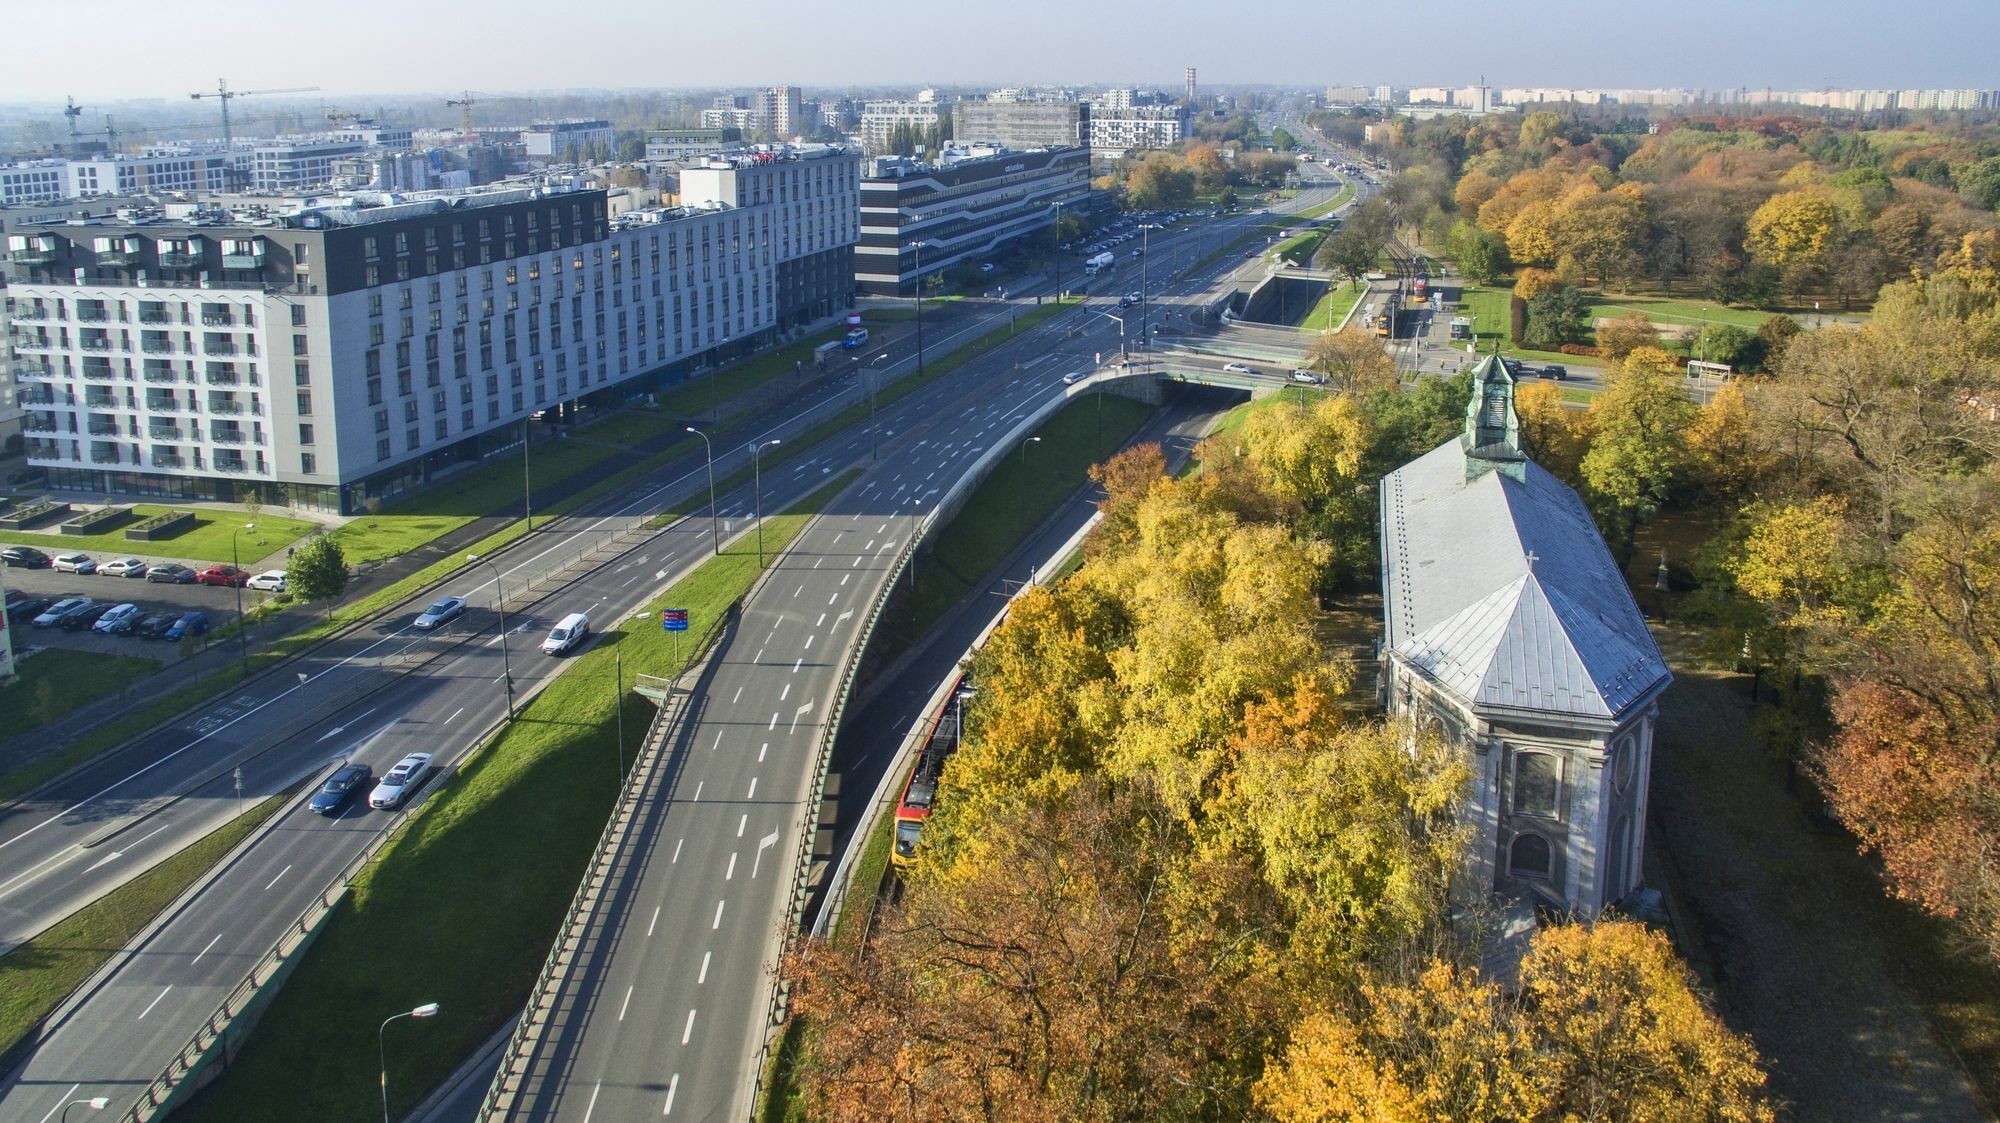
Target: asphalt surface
[{"x": 663, "y": 1014}]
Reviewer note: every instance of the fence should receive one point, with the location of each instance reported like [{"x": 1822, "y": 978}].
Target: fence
[{"x": 604, "y": 860}]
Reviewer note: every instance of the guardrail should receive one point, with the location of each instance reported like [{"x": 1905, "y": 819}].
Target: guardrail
[{"x": 604, "y": 859}]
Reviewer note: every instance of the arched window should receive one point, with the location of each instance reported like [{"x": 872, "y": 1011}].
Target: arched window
[
  {"x": 1529, "y": 856},
  {"x": 1537, "y": 782}
]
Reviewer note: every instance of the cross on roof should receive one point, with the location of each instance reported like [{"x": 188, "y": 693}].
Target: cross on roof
[{"x": 1532, "y": 559}]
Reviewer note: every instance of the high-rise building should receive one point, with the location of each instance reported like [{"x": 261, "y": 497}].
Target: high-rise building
[
  {"x": 962, "y": 208},
  {"x": 1019, "y": 123},
  {"x": 1137, "y": 128},
  {"x": 1187, "y": 78},
  {"x": 779, "y": 111},
  {"x": 879, "y": 120},
  {"x": 342, "y": 350}
]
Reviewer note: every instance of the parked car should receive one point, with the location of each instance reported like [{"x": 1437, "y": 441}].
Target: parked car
[
  {"x": 1239, "y": 368},
  {"x": 171, "y": 573},
  {"x": 442, "y": 612},
  {"x": 24, "y": 557},
  {"x": 400, "y": 781},
  {"x": 155, "y": 625},
  {"x": 339, "y": 788},
  {"x": 568, "y": 632},
  {"x": 272, "y": 581},
  {"x": 123, "y": 567},
  {"x": 1555, "y": 371},
  {"x": 75, "y": 563},
  {"x": 1307, "y": 378},
  {"x": 121, "y": 614},
  {"x": 84, "y": 618},
  {"x": 224, "y": 575},
  {"x": 25, "y": 607},
  {"x": 53, "y": 614},
  {"x": 190, "y": 624}
]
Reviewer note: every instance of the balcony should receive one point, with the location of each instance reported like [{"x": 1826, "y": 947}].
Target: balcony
[
  {"x": 92, "y": 315},
  {"x": 153, "y": 374},
  {"x": 100, "y": 403},
  {"x": 99, "y": 373},
  {"x": 166, "y": 405},
  {"x": 100, "y": 343},
  {"x": 217, "y": 320},
  {"x": 30, "y": 313},
  {"x": 179, "y": 259},
  {"x": 43, "y": 451},
  {"x": 167, "y": 433},
  {"x": 227, "y": 409},
  {"x": 223, "y": 378},
  {"x": 227, "y": 437},
  {"x": 241, "y": 260},
  {"x": 118, "y": 258},
  {"x": 218, "y": 347},
  {"x": 39, "y": 424},
  {"x": 33, "y": 255},
  {"x": 169, "y": 460},
  {"x": 41, "y": 396},
  {"x": 103, "y": 429},
  {"x": 231, "y": 466},
  {"x": 159, "y": 346},
  {"x": 37, "y": 342},
  {"x": 155, "y": 317},
  {"x": 105, "y": 457},
  {"x": 34, "y": 371}
]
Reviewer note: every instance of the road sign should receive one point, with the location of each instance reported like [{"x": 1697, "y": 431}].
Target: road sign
[{"x": 674, "y": 619}]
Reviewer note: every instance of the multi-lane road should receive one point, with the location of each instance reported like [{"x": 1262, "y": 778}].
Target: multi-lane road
[{"x": 386, "y": 689}]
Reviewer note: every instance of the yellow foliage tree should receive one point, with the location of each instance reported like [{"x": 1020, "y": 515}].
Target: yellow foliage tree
[
  {"x": 1556, "y": 436},
  {"x": 1793, "y": 228}
]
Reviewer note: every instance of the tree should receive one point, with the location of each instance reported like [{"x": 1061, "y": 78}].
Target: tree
[
  {"x": 1283, "y": 140},
  {"x": 1351, "y": 252},
  {"x": 1126, "y": 478},
  {"x": 1794, "y": 228},
  {"x": 1621, "y": 335},
  {"x": 1776, "y": 334},
  {"x": 1725, "y": 343},
  {"x": 1554, "y": 435},
  {"x": 1639, "y": 451},
  {"x": 317, "y": 571},
  {"x": 1531, "y": 283},
  {"x": 1555, "y": 317},
  {"x": 1481, "y": 256},
  {"x": 1793, "y": 564},
  {"x": 1353, "y": 360},
  {"x": 1724, "y": 455}
]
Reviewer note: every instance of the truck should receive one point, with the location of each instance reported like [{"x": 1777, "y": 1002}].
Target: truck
[{"x": 1099, "y": 263}]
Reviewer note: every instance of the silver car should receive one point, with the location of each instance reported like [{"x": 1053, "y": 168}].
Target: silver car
[
  {"x": 400, "y": 781},
  {"x": 442, "y": 612}
]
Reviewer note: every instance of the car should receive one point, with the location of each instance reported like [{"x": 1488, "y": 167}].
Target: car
[
  {"x": 1074, "y": 377},
  {"x": 1129, "y": 299},
  {"x": 568, "y": 632},
  {"x": 74, "y": 563},
  {"x": 24, "y": 557},
  {"x": 1239, "y": 368},
  {"x": 119, "y": 614},
  {"x": 171, "y": 573},
  {"x": 1307, "y": 378},
  {"x": 224, "y": 575},
  {"x": 1555, "y": 371},
  {"x": 189, "y": 625},
  {"x": 442, "y": 612},
  {"x": 154, "y": 625},
  {"x": 123, "y": 567},
  {"x": 53, "y": 614},
  {"x": 400, "y": 781},
  {"x": 84, "y": 618},
  {"x": 270, "y": 581},
  {"x": 339, "y": 788},
  {"x": 25, "y": 607}
]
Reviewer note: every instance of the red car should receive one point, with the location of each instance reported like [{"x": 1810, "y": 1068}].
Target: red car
[{"x": 224, "y": 575}]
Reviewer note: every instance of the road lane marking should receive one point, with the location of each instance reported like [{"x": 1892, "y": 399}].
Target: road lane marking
[
  {"x": 677, "y": 852},
  {"x": 593, "y": 1102},
  {"x": 689, "y": 1030},
  {"x": 822, "y": 616},
  {"x": 204, "y": 951},
  {"x": 655, "y": 923},
  {"x": 785, "y": 693},
  {"x": 741, "y": 823},
  {"x": 277, "y": 879},
  {"x": 153, "y": 1003},
  {"x": 845, "y": 578},
  {"x": 718, "y": 741},
  {"x": 62, "y": 1101},
  {"x": 800, "y": 589},
  {"x": 738, "y": 698},
  {"x": 454, "y": 715},
  {"x": 796, "y": 664},
  {"x": 718, "y": 915},
  {"x": 760, "y": 751},
  {"x": 623, "y": 1005},
  {"x": 697, "y": 791},
  {"x": 763, "y": 844},
  {"x": 704, "y": 968},
  {"x": 730, "y": 873},
  {"x": 671, "y": 1085},
  {"x": 809, "y": 641},
  {"x": 753, "y": 788},
  {"x": 774, "y": 722}
]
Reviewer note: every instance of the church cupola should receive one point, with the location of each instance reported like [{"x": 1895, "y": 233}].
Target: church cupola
[{"x": 1492, "y": 438}]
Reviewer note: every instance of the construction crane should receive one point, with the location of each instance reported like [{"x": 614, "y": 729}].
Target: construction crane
[
  {"x": 464, "y": 103},
  {"x": 72, "y": 111},
  {"x": 225, "y": 95}
]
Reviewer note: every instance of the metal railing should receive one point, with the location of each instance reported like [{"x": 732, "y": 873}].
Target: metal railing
[{"x": 604, "y": 860}]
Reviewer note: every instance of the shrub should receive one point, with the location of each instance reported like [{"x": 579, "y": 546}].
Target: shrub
[{"x": 1578, "y": 349}]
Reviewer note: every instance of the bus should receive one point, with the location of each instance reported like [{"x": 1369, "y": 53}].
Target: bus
[
  {"x": 1385, "y": 317},
  {"x": 920, "y": 790}
]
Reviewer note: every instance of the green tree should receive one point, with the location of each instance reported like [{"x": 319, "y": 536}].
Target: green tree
[
  {"x": 1726, "y": 343},
  {"x": 1639, "y": 449},
  {"x": 1283, "y": 140},
  {"x": 1481, "y": 255},
  {"x": 317, "y": 572},
  {"x": 1555, "y": 317}
]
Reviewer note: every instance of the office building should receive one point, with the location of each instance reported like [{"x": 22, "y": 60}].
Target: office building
[
  {"x": 569, "y": 142},
  {"x": 685, "y": 144},
  {"x": 1019, "y": 124},
  {"x": 340, "y": 352},
  {"x": 963, "y": 208}
]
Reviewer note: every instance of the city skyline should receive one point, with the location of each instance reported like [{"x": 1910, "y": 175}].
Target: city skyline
[{"x": 1710, "y": 44}]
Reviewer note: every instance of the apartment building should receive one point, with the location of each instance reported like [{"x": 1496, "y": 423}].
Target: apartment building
[
  {"x": 567, "y": 141},
  {"x": 780, "y": 112},
  {"x": 1020, "y": 124},
  {"x": 961, "y": 209},
  {"x": 1136, "y": 128},
  {"x": 344, "y": 351},
  {"x": 880, "y": 118}
]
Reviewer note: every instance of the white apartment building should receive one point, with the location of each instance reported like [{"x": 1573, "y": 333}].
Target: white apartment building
[
  {"x": 880, "y": 118},
  {"x": 342, "y": 352},
  {"x": 1137, "y": 128}
]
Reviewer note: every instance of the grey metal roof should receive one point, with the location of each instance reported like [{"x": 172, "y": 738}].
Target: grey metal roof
[{"x": 1464, "y": 604}]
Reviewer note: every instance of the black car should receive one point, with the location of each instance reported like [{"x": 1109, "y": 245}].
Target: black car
[
  {"x": 167, "y": 573},
  {"x": 1555, "y": 371},
  {"x": 84, "y": 618},
  {"x": 340, "y": 787},
  {"x": 155, "y": 625},
  {"x": 25, "y": 557},
  {"x": 24, "y": 608}
]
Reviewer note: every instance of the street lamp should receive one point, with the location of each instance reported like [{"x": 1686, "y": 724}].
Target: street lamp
[
  {"x": 1057, "y": 206},
  {"x": 236, "y": 579},
  {"x": 1145, "y": 297},
  {"x": 95, "y": 1103},
  {"x": 757, "y": 485},
  {"x": 874, "y": 434},
  {"x": 1024, "y": 449},
  {"x": 427, "y": 1010},
  {"x": 500, "y": 605},
  {"x": 919, "y": 247},
  {"x": 1121, "y": 329},
  {"x": 714, "y": 522}
]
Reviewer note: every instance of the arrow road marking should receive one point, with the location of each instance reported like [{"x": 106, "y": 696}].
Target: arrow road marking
[
  {"x": 763, "y": 844},
  {"x": 339, "y": 729}
]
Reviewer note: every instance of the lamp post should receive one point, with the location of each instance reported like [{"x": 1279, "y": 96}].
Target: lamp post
[
  {"x": 1024, "y": 449},
  {"x": 1054, "y": 239},
  {"x": 714, "y": 521},
  {"x": 500, "y": 605},
  {"x": 757, "y": 487},
  {"x": 1145, "y": 296},
  {"x": 874, "y": 434},
  {"x": 94, "y": 1103},
  {"x": 236, "y": 579},
  {"x": 427, "y": 1010},
  {"x": 919, "y": 247},
  {"x": 1121, "y": 330}
]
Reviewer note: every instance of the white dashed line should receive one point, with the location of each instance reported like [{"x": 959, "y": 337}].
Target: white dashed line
[{"x": 718, "y": 915}]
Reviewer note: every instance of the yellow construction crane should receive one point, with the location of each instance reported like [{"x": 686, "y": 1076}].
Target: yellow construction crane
[
  {"x": 465, "y": 101},
  {"x": 225, "y": 95}
]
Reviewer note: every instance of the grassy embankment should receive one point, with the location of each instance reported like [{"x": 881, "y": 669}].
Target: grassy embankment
[
  {"x": 207, "y": 540},
  {"x": 497, "y": 851}
]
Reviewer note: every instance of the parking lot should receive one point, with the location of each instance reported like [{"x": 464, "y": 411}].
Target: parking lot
[{"x": 151, "y": 597}]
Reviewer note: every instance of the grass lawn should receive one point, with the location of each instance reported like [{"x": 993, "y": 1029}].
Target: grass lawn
[
  {"x": 497, "y": 851},
  {"x": 36, "y": 976},
  {"x": 206, "y": 540},
  {"x": 1019, "y": 495},
  {"x": 1300, "y": 250},
  {"x": 56, "y": 680},
  {"x": 1661, "y": 310},
  {"x": 1489, "y": 311},
  {"x": 1332, "y": 308},
  {"x": 868, "y": 871}
]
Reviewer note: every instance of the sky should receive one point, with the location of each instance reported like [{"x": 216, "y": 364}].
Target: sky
[{"x": 408, "y": 46}]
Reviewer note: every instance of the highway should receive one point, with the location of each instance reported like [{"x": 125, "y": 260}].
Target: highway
[
  {"x": 663, "y": 1014},
  {"x": 373, "y": 695}
]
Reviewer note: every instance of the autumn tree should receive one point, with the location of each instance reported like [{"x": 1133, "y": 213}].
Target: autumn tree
[
  {"x": 1554, "y": 435},
  {"x": 1638, "y": 451},
  {"x": 1620, "y": 335},
  {"x": 1794, "y": 228},
  {"x": 1353, "y": 359},
  {"x": 1126, "y": 478},
  {"x": 1725, "y": 456}
]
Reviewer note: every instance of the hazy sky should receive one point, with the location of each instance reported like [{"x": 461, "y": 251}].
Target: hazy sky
[{"x": 153, "y": 49}]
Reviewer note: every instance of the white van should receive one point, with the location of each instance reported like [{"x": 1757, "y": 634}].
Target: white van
[{"x": 572, "y": 630}]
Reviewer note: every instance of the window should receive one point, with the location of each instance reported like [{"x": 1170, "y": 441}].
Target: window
[
  {"x": 382, "y": 448},
  {"x": 305, "y": 434},
  {"x": 308, "y": 463},
  {"x": 1617, "y": 845},
  {"x": 1529, "y": 856},
  {"x": 305, "y": 406},
  {"x": 302, "y": 374},
  {"x": 298, "y": 345},
  {"x": 1537, "y": 783},
  {"x": 381, "y": 421},
  {"x": 298, "y": 315},
  {"x": 1623, "y": 766}
]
